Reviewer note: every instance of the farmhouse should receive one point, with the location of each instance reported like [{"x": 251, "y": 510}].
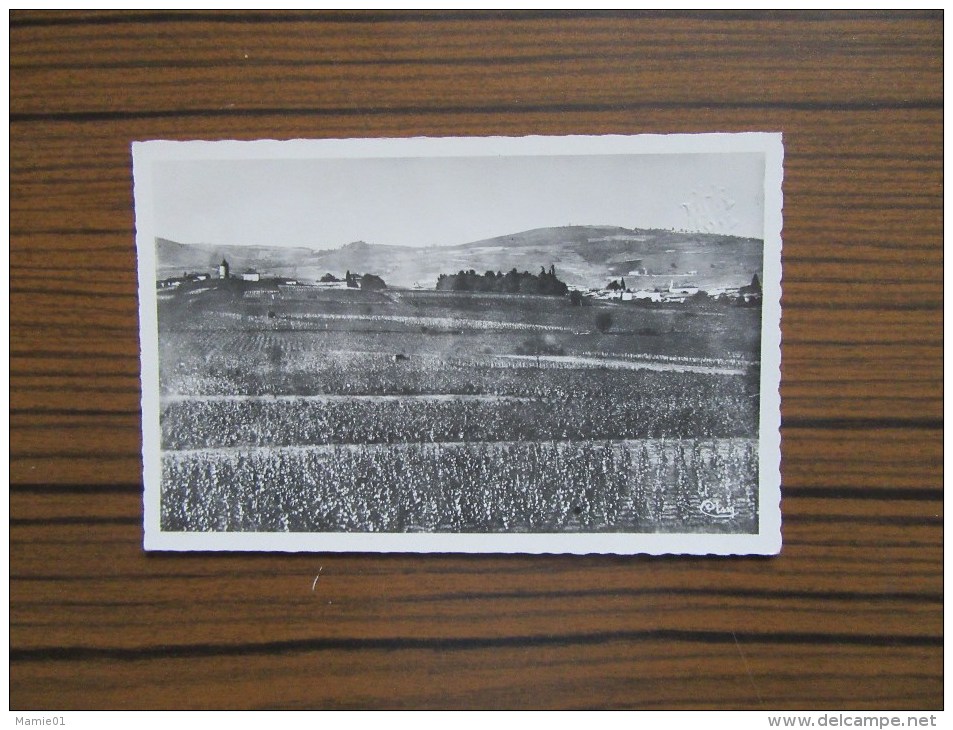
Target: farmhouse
[{"x": 174, "y": 282}]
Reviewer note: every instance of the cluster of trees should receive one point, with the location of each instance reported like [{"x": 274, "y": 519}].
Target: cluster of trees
[
  {"x": 754, "y": 288},
  {"x": 616, "y": 285},
  {"x": 371, "y": 282},
  {"x": 512, "y": 282}
]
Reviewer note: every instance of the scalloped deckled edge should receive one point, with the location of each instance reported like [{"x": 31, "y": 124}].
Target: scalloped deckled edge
[
  {"x": 769, "y": 438},
  {"x": 766, "y": 542}
]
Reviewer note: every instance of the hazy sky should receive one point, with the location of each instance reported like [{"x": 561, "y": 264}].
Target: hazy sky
[{"x": 430, "y": 201}]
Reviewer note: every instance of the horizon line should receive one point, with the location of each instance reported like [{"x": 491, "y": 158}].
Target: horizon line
[{"x": 311, "y": 247}]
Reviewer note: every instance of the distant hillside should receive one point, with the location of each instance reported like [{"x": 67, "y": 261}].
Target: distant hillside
[
  {"x": 589, "y": 255},
  {"x": 175, "y": 258},
  {"x": 586, "y": 256}
]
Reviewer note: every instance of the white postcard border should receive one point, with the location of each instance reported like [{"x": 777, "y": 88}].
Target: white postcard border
[{"x": 766, "y": 542}]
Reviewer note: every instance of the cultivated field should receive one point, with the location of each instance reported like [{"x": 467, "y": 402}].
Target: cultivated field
[{"x": 425, "y": 411}]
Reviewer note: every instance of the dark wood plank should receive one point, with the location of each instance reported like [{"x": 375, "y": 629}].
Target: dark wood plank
[{"x": 850, "y": 614}]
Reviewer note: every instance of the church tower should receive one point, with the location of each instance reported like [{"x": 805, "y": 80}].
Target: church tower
[{"x": 223, "y": 270}]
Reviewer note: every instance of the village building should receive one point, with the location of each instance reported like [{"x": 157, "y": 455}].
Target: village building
[{"x": 173, "y": 282}]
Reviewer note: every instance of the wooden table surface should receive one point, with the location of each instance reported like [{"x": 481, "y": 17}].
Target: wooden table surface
[{"x": 848, "y": 616}]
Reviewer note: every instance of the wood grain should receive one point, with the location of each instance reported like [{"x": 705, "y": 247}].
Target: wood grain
[{"x": 849, "y": 615}]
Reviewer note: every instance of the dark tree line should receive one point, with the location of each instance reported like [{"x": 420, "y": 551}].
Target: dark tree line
[
  {"x": 371, "y": 282},
  {"x": 512, "y": 282}
]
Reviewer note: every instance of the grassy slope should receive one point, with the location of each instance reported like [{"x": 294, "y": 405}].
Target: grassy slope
[{"x": 418, "y": 322}]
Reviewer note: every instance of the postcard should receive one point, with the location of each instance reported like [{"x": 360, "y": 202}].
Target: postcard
[{"x": 490, "y": 345}]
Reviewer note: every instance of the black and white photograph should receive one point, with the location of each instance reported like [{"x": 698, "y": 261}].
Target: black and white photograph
[{"x": 536, "y": 344}]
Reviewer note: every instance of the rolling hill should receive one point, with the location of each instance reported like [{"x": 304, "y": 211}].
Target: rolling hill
[{"x": 584, "y": 256}]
